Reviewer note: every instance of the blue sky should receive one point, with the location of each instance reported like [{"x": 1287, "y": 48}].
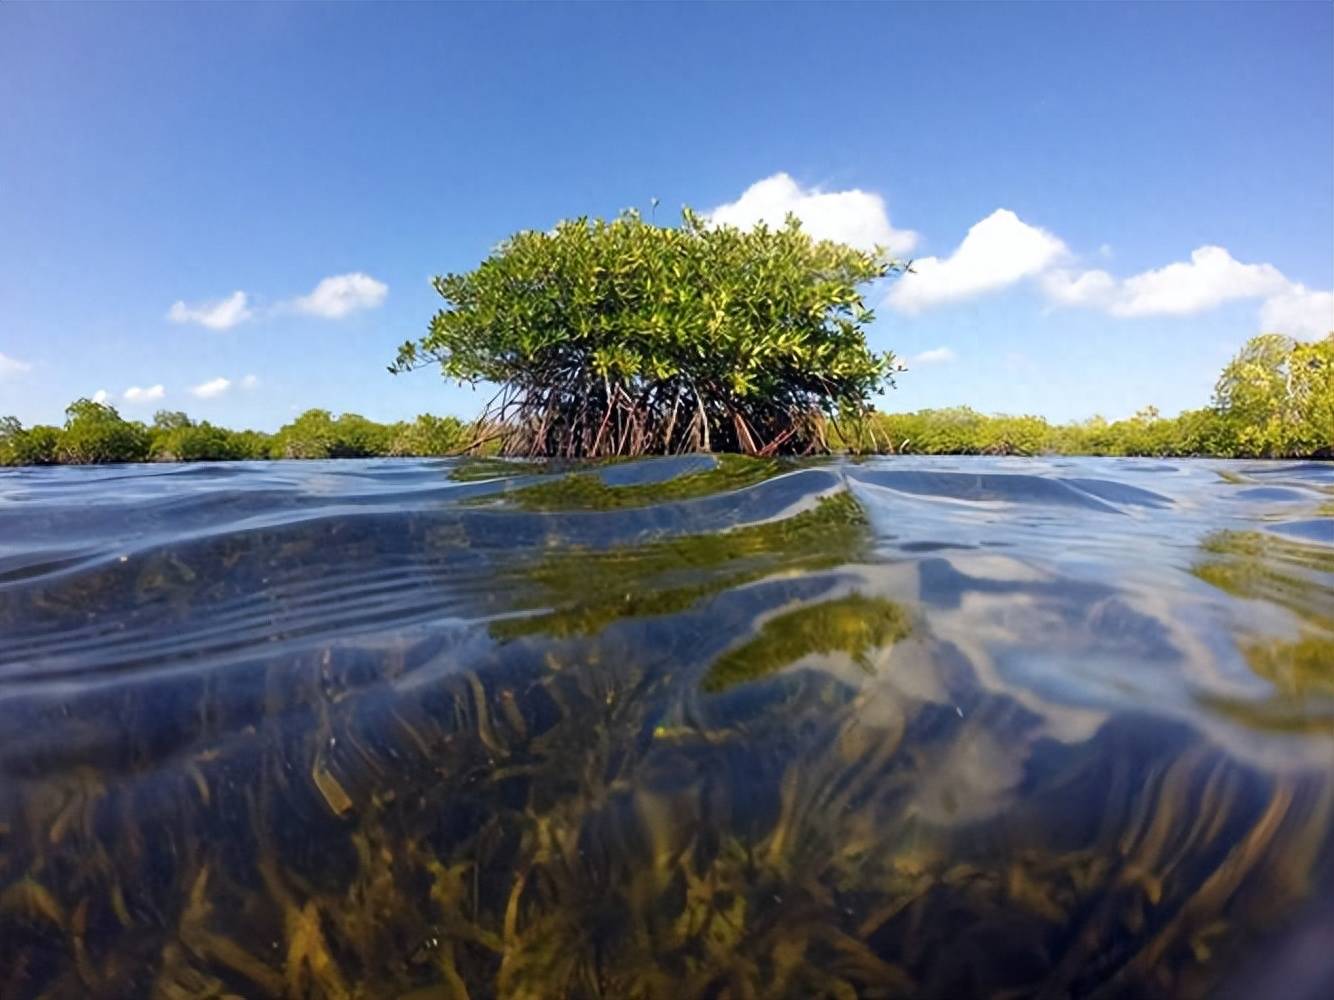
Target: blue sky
[{"x": 1105, "y": 201}]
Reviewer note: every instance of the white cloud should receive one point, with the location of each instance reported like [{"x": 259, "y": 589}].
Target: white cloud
[
  {"x": 1211, "y": 278},
  {"x": 1092, "y": 289},
  {"x": 935, "y": 356},
  {"x": 858, "y": 218},
  {"x": 211, "y": 388},
  {"x": 999, "y": 251},
  {"x": 1002, "y": 249},
  {"x": 1298, "y": 312},
  {"x": 12, "y": 366},
  {"x": 222, "y": 314},
  {"x": 100, "y": 396},
  {"x": 249, "y": 381},
  {"x": 335, "y": 297},
  {"x": 134, "y": 394}
]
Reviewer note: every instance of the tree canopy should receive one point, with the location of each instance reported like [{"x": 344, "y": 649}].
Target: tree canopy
[
  {"x": 1278, "y": 397},
  {"x": 624, "y": 337}
]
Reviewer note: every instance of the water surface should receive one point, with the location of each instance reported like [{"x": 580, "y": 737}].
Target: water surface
[{"x": 908, "y": 727}]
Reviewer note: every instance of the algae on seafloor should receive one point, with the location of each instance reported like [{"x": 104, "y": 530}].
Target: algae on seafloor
[
  {"x": 1293, "y": 575},
  {"x": 471, "y": 470},
  {"x": 414, "y": 813},
  {"x": 584, "y": 590},
  {"x": 587, "y": 491},
  {"x": 855, "y": 625},
  {"x": 1303, "y": 666},
  {"x": 1263, "y": 566}
]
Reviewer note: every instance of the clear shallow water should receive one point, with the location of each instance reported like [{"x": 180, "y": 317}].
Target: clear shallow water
[{"x": 912, "y": 727}]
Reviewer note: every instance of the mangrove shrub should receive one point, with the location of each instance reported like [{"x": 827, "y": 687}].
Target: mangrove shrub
[
  {"x": 1275, "y": 399},
  {"x": 95, "y": 432},
  {"x": 626, "y": 338}
]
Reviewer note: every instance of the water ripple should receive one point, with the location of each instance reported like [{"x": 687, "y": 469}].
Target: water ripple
[{"x": 907, "y": 726}]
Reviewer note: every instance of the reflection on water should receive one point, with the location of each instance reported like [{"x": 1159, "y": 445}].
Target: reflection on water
[{"x": 913, "y": 727}]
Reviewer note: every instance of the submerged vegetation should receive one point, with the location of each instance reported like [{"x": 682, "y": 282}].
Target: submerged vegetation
[
  {"x": 854, "y": 625},
  {"x": 578, "y": 590},
  {"x": 636, "y": 770},
  {"x": 587, "y": 490},
  {"x": 628, "y": 338},
  {"x": 1299, "y": 577}
]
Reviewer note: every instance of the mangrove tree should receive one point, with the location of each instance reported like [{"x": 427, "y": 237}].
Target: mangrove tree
[{"x": 628, "y": 338}]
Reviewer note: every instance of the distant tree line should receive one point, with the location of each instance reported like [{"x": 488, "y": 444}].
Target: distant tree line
[
  {"x": 96, "y": 433},
  {"x": 1275, "y": 399}
]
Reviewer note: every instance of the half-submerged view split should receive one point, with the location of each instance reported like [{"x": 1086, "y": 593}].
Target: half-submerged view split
[{"x": 698, "y": 606}]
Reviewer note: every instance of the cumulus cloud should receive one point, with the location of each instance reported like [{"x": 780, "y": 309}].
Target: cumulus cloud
[
  {"x": 211, "y": 388},
  {"x": 222, "y": 314},
  {"x": 1002, "y": 250},
  {"x": 999, "y": 251},
  {"x": 935, "y": 356},
  {"x": 13, "y": 366},
  {"x": 249, "y": 381},
  {"x": 341, "y": 294},
  {"x": 1299, "y": 312},
  {"x": 1209, "y": 279},
  {"x": 1091, "y": 289},
  {"x": 136, "y": 394},
  {"x": 100, "y": 396},
  {"x": 858, "y": 218}
]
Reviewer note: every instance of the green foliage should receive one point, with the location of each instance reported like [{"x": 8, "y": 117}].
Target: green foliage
[
  {"x": 203, "y": 442},
  {"x": 1274, "y": 400},
  {"x": 316, "y": 434},
  {"x": 962, "y": 431},
  {"x": 1277, "y": 397},
  {"x": 170, "y": 420},
  {"x": 38, "y": 445},
  {"x": 357, "y": 437},
  {"x": 428, "y": 436},
  {"x": 251, "y": 445},
  {"x": 95, "y": 432},
  {"x": 310, "y": 435},
  {"x": 623, "y": 337},
  {"x": 958, "y": 431}
]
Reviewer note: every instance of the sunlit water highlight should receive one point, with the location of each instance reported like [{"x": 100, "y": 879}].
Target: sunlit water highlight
[{"x": 908, "y": 727}]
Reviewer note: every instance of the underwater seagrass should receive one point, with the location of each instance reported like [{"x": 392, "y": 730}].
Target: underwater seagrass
[
  {"x": 1297, "y": 576},
  {"x": 712, "y": 757}
]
